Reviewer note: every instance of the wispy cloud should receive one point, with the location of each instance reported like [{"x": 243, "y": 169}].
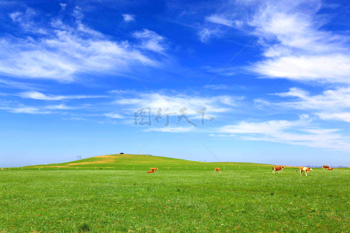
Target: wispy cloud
[
  {"x": 151, "y": 41},
  {"x": 59, "y": 107},
  {"x": 206, "y": 34},
  {"x": 295, "y": 44},
  {"x": 320, "y": 68},
  {"x": 40, "y": 96},
  {"x": 228, "y": 71},
  {"x": 113, "y": 115},
  {"x": 26, "y": 110},
  {"x": 292, "y": 34},
  {"x": 63, "y": 6},
  {"x": 173, "y": 102},
  {"x": 223, "y": 21},
  {"x": 225, "y": 87},
  {"x": 67, "y": 50},
  {"x": 128, "y": 17},
  {"x": 269, "y": 127},
  {"x": 19, "y": 85},
  {"x": 329, "y": 105},
  {"x": 300, "y": 132},
  {"x": 171, "y": 129},
  {"x": 340, "y": 116},
  {"x": 332, "y": 100},
  {"x": 26, "y": 21}
]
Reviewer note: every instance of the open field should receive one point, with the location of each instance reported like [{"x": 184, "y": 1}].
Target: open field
[{"x": 243, "y": 198}]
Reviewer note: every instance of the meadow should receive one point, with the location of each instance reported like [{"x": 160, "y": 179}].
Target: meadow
[{"x": 115, "y": 194}]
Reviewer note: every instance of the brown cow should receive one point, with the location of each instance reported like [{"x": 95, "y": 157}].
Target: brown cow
[
  {"x": 304, "y": 169},
  {"x": 150, "y": 171},
  {"x": 325, "y": 167},
  {"x": 330, "y": 168},
  {"x": 278, "y": 169},
  {"x": 154, "y": 169},
  {"x": 339, "y": 168},
  {"x": 217, "y": 170}
]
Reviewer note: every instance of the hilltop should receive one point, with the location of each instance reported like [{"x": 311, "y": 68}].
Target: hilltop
[{"x": 139, "y": 162}]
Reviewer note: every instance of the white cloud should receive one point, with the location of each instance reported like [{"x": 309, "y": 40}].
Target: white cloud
[
  {"x": 173, "y": 102},
  {"x": 295, "y": 42},
  {"x": 296, "y": 46},
  {"x": 26, "y": 110},
  {"x": 171, "y": 129},
  {"x": 151, "y": 40},
  {"x": 227, "y": 71},
  {"x": 218, "y": 19},
  {"x": 330, "y": 100},
  {"x": 328, "y": 105},
  {"x": 128, "y": 17},
  {"x": 323, "y": 68},
  {"x": 66, "y": 51},
  {"x": 78, "y": 14},
  {"x": 206, "y": 33},
  {"x": 26, "y": 21},
  {"x": 15, "y": 16},
  {"x": 113, "y": 115},
  {"x": 19, "y": 85},
  {"x": 40, "y": 96},
  {"x": 59, "y": 107},
  {"x": 218, "y": 87},
  {"x": 340, "y": 116},
  {"x": 63, "y": 6},
  {"x": 291, "y": 132},
  {"x": 269, "y": 127}
]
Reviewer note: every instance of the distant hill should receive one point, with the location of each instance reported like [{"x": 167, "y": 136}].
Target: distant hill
[{"x": 139, "y": 162}]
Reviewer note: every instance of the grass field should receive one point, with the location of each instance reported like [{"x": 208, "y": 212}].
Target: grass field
[{"x": 243, "y": 198}]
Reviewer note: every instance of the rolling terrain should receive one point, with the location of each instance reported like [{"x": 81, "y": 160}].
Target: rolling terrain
[{"x": 140, "y": 162}]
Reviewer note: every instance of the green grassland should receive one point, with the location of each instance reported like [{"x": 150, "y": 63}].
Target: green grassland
[{"x": 119, "y": 196}]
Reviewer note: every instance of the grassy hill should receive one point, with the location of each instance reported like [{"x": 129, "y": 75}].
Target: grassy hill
[{"x": 141, "y": 162}]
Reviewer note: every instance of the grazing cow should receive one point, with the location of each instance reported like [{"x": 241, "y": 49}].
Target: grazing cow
[
  {"x": 305, "y": 170},
  {"x": 325, "y": 167},
  {"x": 154, "y": 169},
  {"x": 217, "y": 170},
  {"x": 150, "y": 171},
  {"x": 278, "y": 169},
  {"x": 330, "y": 168},
  {"x": 339, "y": 168}
]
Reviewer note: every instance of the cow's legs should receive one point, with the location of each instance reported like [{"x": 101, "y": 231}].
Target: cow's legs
[
  {"x": 306, "y": 173},
  {"x": 301, "y": 172}
]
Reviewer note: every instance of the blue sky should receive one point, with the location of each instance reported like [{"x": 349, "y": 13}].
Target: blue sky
[{"x": 245, "y": 81}]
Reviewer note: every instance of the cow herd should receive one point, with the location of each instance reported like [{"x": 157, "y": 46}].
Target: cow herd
[
  {"x": 301, "y": 169},
  {"x": 274, "y": 169}
]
